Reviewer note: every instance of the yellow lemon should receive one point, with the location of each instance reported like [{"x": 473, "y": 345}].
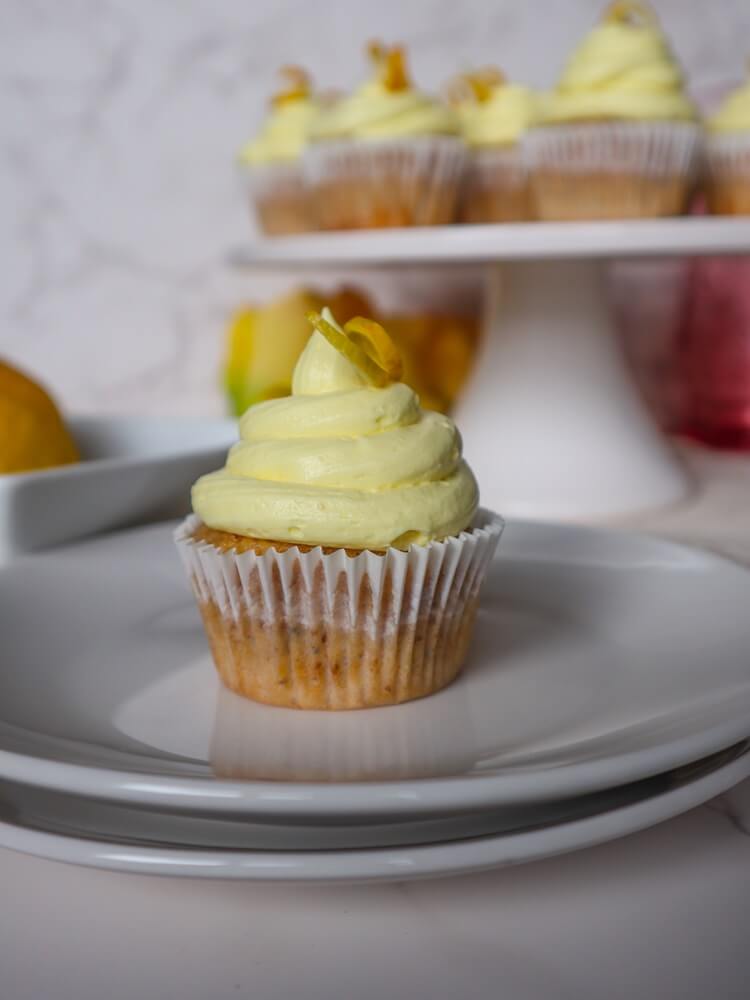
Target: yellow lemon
[
  {"x": 32, "y": 432},
  {"x": 450, "y": 358},
  {"x": 264, "y": 344}
]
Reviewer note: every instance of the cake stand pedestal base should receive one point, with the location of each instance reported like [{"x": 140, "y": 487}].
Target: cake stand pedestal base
[{"x": 552, "y": 423}]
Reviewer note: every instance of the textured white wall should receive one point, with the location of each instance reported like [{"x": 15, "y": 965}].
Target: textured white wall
[{"x": 118, "y": 125}]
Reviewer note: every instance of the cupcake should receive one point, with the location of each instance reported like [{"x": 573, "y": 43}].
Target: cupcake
[
  {"x": 336, "y": 559},
  {"x": 388, "y": 155},
  {"x": 271, "y": 161},
  {"x": 618, "y": 136},
  {"x": 728, "y": 155},
  {"x": 494, "y": 114}
]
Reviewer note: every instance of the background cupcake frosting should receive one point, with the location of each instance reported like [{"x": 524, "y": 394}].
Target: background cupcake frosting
[
  {"x": 375, "y": 110},
  {"x": 623, "y": 68},
  {"x": 283, "y": 135},
  {"x": 734, "y": 113},
  {"x": 496, "y": 111}
]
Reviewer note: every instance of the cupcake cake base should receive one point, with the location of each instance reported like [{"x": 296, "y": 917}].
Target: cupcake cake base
[
  {"x": 564, "y": 197},
  {"x": 728, "y": 174},
  {"x": 496, "y": 187},
  {"x": 278, "y": 199},
  {"x": 729, "y": 196}
]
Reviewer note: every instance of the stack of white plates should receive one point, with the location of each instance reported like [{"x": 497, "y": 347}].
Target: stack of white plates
[{"x": 608, "y": 689}]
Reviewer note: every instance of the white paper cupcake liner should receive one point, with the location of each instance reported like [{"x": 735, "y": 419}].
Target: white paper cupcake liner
[
  {"x": 278, "y": 197},
  {"x": 370, "y": 183},
  {"x": 611, "y": 170},
  {"x": 506, "y": 160},
  {"x": 329, "y": 630},
  {"x": 655, "y": 149}
]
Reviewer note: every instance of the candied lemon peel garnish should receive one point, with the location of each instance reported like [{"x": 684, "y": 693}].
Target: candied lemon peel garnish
[
  {"x": 297, "y": 86},
  {"x": 390, "y": 65},
  {"x": 477, "y": 85},
  {"x": 366, "y": 345},
  {"x": 629, "y": 12}
]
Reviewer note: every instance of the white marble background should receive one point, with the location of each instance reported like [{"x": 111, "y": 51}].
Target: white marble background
[{"x": 119, "y": 120}]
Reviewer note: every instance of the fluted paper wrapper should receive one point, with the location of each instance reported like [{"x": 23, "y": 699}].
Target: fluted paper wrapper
[
  {"x": 278, "y": 197},
  {"x": 369, "y": 184},
  {"x": 599, "y": 170},
  {"x": 332, "y": 631},
  {"x": 496, "y": 187},
  {"x": 727, "y": 162}
]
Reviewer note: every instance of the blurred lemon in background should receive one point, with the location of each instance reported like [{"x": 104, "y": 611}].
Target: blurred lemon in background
[
  {"x": 264, "y": 344},
  {"x": 32, "y": 432}
]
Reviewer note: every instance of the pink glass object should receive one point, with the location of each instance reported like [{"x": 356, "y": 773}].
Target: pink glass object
[
  {"x": 715, "y": 352},
  {"x": 648, "y": 298}
]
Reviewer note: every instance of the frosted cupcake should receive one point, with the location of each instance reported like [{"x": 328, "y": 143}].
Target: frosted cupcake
[
  {"x": 618, "y": 136},
  {"x": 271, "y": 162},
  {"x": 337, "y": 557},
  {"x": 494, "y": 114},
  {"x": 728, "y": 155},
  {"x": 388, "y": 155}
]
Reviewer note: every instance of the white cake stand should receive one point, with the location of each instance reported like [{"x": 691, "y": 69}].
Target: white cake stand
[{"x": 552, "y": 423}]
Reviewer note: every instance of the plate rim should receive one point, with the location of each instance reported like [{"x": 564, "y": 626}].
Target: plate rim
[
  {"x": 386, "y": 864},
  {"x": 306, "y": 799}
]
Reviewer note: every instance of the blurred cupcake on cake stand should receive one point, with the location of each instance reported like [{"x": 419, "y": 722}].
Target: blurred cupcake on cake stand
[
  {"x": 618, "y": 135},
  {"x": 728, "y": 154},
  {"x": 387, "y": 155},
  {"x": 494, "y": 114},
  {"x": 271, "y": 163}
]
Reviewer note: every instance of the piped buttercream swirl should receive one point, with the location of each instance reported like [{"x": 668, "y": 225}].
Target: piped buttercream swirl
[
  {"x": 623, "y": 69},
  {"x": 283, "y": 134},
  {"x": 388, "y": 106},
  {"x": 500, "y": 118},
  {"x": 341, "y": 463},
  {"x": 734, "y": 113},
  {"x": 374, "y": 112}
]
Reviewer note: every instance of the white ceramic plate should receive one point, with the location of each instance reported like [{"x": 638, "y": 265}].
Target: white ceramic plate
[
  {"x": 55, "y": 836},
  {"x": 600, "y": 658},
  {"x": 99, "y": 819},
  {"x": 134, "y": 469}
]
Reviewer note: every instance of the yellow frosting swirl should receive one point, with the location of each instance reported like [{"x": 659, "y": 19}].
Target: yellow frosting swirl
[
  {"x": 284, "y": 133},
  {"x": 374, "y": 112},
  {"x": 388, "y": 106},
  {"x": 341, "y": 463},
  {"x": 734, "y": 113},
  {"x": 623, "y": 69},
  {"x": 500, "y": 117}
]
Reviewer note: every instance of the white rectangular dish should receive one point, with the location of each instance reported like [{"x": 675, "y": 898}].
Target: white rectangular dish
[{"x": 134, "y": 470}]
